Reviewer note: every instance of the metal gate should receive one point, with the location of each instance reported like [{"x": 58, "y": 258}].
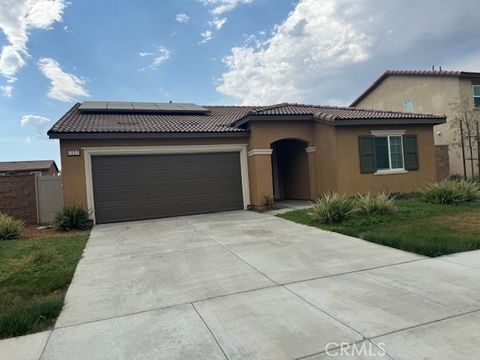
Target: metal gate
[{"x": 49, "y": 197}]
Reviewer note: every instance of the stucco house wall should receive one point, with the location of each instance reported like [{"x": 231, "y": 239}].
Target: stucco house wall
[
  {"x": 430, "y": 95},
  {"x": 349, "y": 179},
  {"x": 73, "y": 167},
  {"x": 333, "y": 159}
]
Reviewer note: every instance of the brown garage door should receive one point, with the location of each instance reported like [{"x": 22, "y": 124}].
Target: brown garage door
[{"x": 136, "y": 187}]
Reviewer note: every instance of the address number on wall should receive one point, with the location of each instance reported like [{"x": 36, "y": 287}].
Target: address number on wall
[{"x": 73, "y": 153}]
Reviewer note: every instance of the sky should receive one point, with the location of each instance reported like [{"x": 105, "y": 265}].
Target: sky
[{"x": 54, "y": 53}]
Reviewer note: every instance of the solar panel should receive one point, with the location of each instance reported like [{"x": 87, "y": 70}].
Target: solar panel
[
  {"x": 93, "y": 105},
  {"x": 119, "y": 105},
  {"x": 145, "y": 107},
  {"x": 168, "y": 106},
  {"x": 192, "y": 107}
]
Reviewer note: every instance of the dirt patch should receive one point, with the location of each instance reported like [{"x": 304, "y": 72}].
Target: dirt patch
[
  {"x": 466, "y": 220},
  {"x": 37, "y": 231}
]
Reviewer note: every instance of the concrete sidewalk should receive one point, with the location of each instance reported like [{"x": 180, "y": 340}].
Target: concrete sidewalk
[{"x": 242, "y": 285}]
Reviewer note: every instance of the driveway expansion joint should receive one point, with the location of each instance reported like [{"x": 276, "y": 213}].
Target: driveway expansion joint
[{"x": 210, "y": 330}]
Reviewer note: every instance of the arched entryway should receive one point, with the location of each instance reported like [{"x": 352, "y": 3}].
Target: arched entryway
[{"x": 290, "y": 170}]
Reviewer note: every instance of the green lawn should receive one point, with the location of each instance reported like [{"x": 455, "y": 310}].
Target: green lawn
[
  {"x": 34, "y": 276},
  {"x": 416, "y": 226}
]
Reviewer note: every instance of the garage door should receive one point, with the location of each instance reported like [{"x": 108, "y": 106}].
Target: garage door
[{"x": 136, "y": 187}]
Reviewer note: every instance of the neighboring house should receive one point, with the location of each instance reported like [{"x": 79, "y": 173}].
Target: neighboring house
[
  {"x": 431, "y": 92},
  {"x": 131, "y": 161},
  {"x": 43, "y": 167}
]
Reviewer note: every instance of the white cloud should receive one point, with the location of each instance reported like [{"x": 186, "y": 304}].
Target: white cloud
[
  {"x": 161, "y": 55},
  {"x": 17, "y": 19},
  {"x": 182, "y": 18},
  {"x": 206, "y": 36},
  {"x": 323, "y": 48},
  {"x": 11, "y": 60},
  {"x": 218, "y": 7},
  {"x": 38, "y": 125},
  {"x": 218, "y": 22},
  {"x": 63, "y": 86},
  {"x": 6, "y": 90}
]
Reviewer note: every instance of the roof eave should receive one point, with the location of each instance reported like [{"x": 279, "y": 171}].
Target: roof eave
[
  {"x": 411, "y": 121},
  {"x": 145, "y": 135},
  {"x": 250, "y": 118}
]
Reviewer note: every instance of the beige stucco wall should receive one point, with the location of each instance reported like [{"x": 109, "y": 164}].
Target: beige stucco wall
[
  {"x": 262, "y": 135},
  {"x": 73, "y": 167},
  {"x": 333, "y": 162},
  {"x": 349, "y": 179},
  {"x": 431, "y": 95}
]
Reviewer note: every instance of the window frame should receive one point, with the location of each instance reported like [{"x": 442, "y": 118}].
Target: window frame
[
  {"x": 388, "y": 134},
  {"x": 410, "y": 107},
  {"x": 475, "y": 96}
]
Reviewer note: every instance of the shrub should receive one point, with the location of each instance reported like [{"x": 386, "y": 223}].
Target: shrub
[
  {"x": 332, "y": 208},
  {"x": 10, "y": 228},
  {"x": 452, "y": 192},
  {"x": 269, "y": 202},
  {"x": 472, "y": 190},
  {"x": 456, "y": 177},
  {"x": 374, "y": 203},
  {"x": 70, "y": 217}
]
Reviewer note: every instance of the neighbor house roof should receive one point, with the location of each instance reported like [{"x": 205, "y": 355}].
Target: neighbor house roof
[
  {"x": 37, "y": 165},
  {"x": 419, "y": 73},
  {"x": 221, "y": 120}
]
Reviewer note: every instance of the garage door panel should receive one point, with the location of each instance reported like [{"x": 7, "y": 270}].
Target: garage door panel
[{"x": 134, "y": 187}]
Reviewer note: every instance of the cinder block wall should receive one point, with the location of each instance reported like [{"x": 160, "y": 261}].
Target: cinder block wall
[{"x": 18, "y": 198}]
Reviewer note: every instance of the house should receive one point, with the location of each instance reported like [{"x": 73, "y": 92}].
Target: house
[
  {"x": 43, "y": 167},
  {"x": 130, "y": 161},
  {"x": 431, "y": 92}
]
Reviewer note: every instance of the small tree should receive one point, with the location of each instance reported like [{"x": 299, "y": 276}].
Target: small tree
[{"x": 464, "y": 123}]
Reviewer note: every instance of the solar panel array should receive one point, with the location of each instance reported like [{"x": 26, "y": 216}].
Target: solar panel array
[{"x": 132, "y": 107}]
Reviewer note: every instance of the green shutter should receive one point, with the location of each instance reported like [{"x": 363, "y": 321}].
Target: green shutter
[
  {"x": 410, "y": 151},
  {"x": 366, "y": 146}
]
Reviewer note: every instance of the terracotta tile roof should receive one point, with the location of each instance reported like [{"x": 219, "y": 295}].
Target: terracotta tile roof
[
  {"x": 420, "y": 73},
  {"x": 36, "y": 165},
  {"x": 220, "y": 119},
  {"x": 332, "y": 113}
]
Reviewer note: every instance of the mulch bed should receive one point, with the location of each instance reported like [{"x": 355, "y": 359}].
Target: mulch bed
[{"x": 34, "y": 231}]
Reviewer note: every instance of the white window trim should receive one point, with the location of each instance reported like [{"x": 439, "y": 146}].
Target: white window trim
[
  {"x": 388, "y": 134},
  {"x": 88, "y": 152},
  {"x": 475, "y": 96}
]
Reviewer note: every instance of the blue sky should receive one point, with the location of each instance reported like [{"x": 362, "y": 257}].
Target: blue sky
[{"x": 54, "y": 53}]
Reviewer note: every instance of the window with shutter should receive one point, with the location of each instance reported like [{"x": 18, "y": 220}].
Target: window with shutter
[
  {"x": 388, "y": 152},
  {"x": 410, "y": 148},
  {"x": 366, "y": 146}
]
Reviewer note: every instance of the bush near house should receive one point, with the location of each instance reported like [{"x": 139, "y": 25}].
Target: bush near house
[
  {"x": 452, "y": 192},
  {"x": 71, "y": 217},
  {"x": 417, "y": 226},
  {"x": 332, "y": 208},
  {"x": 10, "y": 228},
  {"x": 374, "y": 204}
]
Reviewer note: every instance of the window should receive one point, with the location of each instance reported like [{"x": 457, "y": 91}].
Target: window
[
  {"x": 476, "y": 96},
  {"x": 408, "y": 106},
  {"x": 389, "y": 152}
]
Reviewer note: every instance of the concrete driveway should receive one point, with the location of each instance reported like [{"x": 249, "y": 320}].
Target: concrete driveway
[{"x": 242, "y": 285}]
